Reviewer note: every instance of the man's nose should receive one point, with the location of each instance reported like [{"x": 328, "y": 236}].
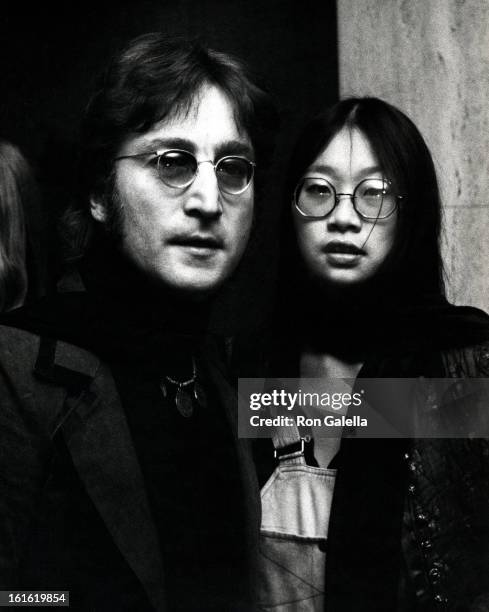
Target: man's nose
[
  {"x": 203, "y": 196},
  {"x": 344, "y": 216}
]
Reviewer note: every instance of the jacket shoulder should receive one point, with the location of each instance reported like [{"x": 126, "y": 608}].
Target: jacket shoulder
[
  {"x": 37, "y": 372},
  {"x": 467, "y": 362},
  {"x": 24, "y": 348},
  {"x": 18, "y": 348}
]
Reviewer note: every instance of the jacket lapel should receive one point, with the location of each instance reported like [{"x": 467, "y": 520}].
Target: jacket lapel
[{"x": 98, "y": 438}]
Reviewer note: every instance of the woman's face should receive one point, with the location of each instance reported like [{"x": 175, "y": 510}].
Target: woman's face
[{"x": 343, "y": 248}]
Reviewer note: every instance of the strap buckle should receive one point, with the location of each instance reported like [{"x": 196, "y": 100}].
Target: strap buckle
[{"x": 291, "y": 450}]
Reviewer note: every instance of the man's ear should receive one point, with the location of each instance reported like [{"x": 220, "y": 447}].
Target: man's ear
[{"x": 97, "y": 208}]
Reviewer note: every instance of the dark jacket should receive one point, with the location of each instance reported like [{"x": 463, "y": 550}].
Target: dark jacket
[
  {"x": 446, "y": 515},
  {"x": 74, "y": 514},
  {"x": 417, "y": 509}
]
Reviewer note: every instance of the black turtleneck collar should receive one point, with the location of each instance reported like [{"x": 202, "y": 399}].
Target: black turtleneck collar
[{"x": 120, "y": 314}]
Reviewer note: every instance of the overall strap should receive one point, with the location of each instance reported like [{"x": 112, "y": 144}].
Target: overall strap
[{"x": 289, "y": 445}]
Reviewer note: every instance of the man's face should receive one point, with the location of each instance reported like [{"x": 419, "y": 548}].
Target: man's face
[{"x": 191, "y": 238}]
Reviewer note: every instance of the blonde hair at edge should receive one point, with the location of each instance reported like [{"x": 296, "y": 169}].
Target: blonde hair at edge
[{"x": 15, "y": 173}]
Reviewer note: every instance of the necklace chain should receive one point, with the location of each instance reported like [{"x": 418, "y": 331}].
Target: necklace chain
[
  {"x": 184, "y": 397},
  {"x": 184, "y": 383}
]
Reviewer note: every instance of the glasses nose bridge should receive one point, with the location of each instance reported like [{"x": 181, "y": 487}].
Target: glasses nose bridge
[
  {"x": 338, "y": 196},
  {"x": 344, "y": 217},
  {"x": 206, "y": 161},
  {"x": 206, "y": 196},
  {"x": 350, "y": 196}
]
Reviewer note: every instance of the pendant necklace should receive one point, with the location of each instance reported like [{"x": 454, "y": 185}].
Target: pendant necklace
[{"x": 186, "y": 392}]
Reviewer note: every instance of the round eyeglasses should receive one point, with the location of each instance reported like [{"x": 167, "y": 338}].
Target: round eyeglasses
[
  {"x": 178, "y": 169},
  {"x": 372, "y": 198}
]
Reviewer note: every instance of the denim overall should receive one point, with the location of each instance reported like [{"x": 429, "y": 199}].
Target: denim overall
[{"x": 296, "y": 504}]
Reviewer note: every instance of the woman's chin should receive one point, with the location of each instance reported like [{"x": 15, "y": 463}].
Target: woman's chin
[{"x": 345, "y": 277}]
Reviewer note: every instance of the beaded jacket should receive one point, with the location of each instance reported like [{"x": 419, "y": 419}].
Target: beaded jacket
[{"x": 446, "y": 517}]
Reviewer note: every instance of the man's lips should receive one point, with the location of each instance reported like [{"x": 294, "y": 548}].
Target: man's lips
[
  {"x": 199, "y": 241},
  {"x": 342, "y": 248}
]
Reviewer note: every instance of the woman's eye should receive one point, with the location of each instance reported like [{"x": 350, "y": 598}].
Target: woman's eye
[
  {"x": 318, "y": 190},
  {"x": 374, "y": 188},
  {"x": 373, "y": 192}
]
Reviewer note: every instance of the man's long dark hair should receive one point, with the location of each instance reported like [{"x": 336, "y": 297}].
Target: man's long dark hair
[{"x": 153, "y": 78}]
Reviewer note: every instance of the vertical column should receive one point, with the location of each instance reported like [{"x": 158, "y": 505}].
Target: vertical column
[{"x": 431, "y": 59}]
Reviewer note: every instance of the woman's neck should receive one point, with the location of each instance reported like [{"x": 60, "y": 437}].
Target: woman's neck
[
  {"x": 314, "y": 364},
  {"x": 347, "y": 323}
]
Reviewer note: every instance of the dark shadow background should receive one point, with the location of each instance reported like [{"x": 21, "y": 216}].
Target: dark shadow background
[{"x": 49, "y": 59}]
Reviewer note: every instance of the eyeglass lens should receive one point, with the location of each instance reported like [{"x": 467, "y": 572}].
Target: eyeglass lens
[
  {"x": 374, "y": 198},
  {"x": 179, "y": 168}
]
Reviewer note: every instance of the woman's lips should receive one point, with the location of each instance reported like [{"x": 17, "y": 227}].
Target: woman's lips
[
  {"x": 339, "y": 247},
  {"x": 343, "y": 254}
]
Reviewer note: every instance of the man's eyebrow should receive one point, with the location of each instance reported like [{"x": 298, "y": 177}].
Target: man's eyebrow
[
  {"x": 157, "y": 144},
  {"x": 227, "y": 147},
  {"x": 235, "y": 147}
]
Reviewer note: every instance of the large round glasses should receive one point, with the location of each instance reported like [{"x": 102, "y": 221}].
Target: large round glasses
[
  {"x": 178, "y": 169},
  {"x": 372, "y": 198}
]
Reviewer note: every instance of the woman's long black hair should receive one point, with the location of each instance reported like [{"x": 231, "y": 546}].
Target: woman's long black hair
[
  {"x": 412, "y": 275},
  {"x": 414, "y": 267}
]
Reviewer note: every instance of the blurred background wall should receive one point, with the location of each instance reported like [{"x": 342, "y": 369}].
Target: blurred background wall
[{"x": 431, "y": 58}]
